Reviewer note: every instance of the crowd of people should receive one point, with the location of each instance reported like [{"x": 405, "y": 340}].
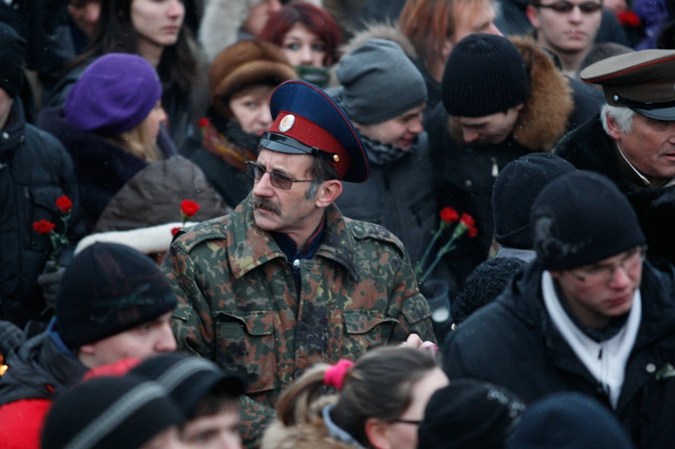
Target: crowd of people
[{"x": 381, "y": 224}]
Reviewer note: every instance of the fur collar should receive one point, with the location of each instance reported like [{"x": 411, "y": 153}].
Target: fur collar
[{"x": 543, "y": 119}]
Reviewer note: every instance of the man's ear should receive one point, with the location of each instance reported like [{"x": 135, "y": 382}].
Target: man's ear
[
  {"x": 613, "y": 128},
  {"x": 533, "y": 14},
  {"x": 376, "y": 431},
  {"x": 328, "y": 192}
]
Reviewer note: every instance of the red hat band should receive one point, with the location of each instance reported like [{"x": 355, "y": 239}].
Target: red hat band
[{"x": 313, "y": 135}]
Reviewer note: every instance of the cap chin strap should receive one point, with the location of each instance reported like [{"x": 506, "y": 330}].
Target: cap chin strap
[
  {"x": 284, "y": 144},
  {"x": 647, "y": 105}
]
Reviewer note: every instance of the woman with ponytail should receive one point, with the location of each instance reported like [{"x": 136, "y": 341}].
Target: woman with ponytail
[{"x": 377, "y": 402}]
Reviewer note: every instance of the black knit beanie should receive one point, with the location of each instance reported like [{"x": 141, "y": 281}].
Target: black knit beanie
[
  {"x": 469, "y": 414},
  {"x": 484, "y": 75},
  {"x": 109, "y": 413},
  {"x": 515, "y": 189},
  {"x": 12, "y": 59},
  {"x": 189, "y": 379},
  {"x": 108, "y": 289},
  {"x": 581, "y": 218},
  {"x": 569, "y": 420}
]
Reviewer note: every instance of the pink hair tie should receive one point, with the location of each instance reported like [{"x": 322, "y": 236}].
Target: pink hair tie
[{"x": 335, "y": 375}]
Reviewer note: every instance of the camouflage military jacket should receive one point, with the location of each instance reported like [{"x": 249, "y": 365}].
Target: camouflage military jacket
[{"x": 238, "y": 303}]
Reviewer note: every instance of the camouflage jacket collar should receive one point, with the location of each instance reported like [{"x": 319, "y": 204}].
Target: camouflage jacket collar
[{"x": 252, "y": 247}]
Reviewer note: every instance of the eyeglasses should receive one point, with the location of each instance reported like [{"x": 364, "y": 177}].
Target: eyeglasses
[
  {"x": 256, "y": 171},
  {"x": 563, "y": 6},
  {"x": 605, "y": 273}
]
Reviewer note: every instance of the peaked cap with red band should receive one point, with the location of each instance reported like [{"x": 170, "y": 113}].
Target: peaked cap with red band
[
  {"x": 643, "y": 81},
  {"x": 307, "y": 121}
]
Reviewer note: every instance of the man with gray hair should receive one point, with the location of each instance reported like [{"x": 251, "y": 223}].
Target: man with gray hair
[
  {"x": 588, "y": 315},
  {"x": 632, "y": 139}
]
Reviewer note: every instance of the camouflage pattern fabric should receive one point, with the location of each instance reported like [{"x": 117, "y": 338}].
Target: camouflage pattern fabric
[{"x": 238, "y": 304}]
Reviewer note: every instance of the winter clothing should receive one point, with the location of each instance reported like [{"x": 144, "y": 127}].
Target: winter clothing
[
  {"x": 590, "y": 148},
  {"x": 322, "y": 130},
  {"x": 189, "y": 380},
  {"x": 514, "y": 342},
  {"x": 12, "y": 57},
  {"x": 485, "y": 74},
  {"x": 366, "y": 76},
  {"x": 568, "y": 420},
  {"x": 35, "y": 170},
  {"x": 114, "y": 94},
  {"x": 639, "y": 81},
  {"x": 564, "y": 242},
  {"x": 223, "y": 148},
  {"x": 109, "y": 413},
  {"x": 485, "y": 283},
  {"x": 340, "y": 307},
  {"x": 221, "y": 153},
  {"x": 179, "y": 110},
  {"x": 399, "y": 196},
  {"x": 243, "y": 65},
  {"x": 464, "y": 174},
  {"x": 469, "y": 414},
  {"x": 515, "y": 189},
  {"x": 40, "y": 368},
  {"x": 121, "y": 191},
  {"x": 108, "y": 289}
]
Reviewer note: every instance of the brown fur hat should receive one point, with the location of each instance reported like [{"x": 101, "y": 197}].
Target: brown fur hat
[{"x": 244, "y": 64}]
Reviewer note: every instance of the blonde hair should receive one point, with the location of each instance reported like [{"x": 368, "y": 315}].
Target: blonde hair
[{"x": 139, "y": 142}]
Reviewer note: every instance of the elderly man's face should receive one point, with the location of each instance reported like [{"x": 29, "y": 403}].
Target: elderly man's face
[
  {"x": 598, "y": 292},
  {"x": 649, "y": 146}
]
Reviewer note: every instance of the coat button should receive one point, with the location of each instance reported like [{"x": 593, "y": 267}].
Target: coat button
[
  {"x": 296, "y": 263},
  {"x": 468, "y": 183},
  {"x": 650, "y": 367}
]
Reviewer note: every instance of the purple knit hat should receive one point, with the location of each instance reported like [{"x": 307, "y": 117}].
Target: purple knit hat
[{"x": 114, "y": 94}]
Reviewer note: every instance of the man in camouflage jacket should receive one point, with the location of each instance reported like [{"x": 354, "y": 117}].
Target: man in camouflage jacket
[{"x": 260, "y": 296}]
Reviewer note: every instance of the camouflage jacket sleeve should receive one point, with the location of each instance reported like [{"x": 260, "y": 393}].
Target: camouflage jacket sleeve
[{"x": 194, "y": 329}]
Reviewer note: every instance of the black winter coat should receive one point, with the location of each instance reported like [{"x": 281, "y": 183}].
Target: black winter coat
[
  {"x": 590, "y": 148},
  {"x": 35, "y": 170},
  {"x": 513, "y": 342}
]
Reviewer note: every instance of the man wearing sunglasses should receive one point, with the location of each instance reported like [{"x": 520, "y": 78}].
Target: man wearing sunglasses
[
  {"x": 589, "y": 315},
  {"x": 632, "y": 139},
  {"x": 566, "y": 28},
  {"x": 286, "y": 280}
]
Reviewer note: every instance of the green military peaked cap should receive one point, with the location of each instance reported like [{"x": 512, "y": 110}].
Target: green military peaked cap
[{"x": 643, "y": 81}]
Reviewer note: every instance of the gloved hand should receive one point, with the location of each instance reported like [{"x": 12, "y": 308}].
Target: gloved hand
[{"x": 49, "y": 282}]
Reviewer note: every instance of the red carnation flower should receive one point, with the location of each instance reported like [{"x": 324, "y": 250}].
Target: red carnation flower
[
  {"x": 449, "y": 215},
  {"x": 43, "y": 226},
  {"x": 174, "y": 231},
  {"x": 189, "y": 208},
  {"x": 64, "y": 204}
]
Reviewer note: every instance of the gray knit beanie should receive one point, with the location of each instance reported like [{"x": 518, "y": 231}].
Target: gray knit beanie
[
  {"x": 378, "y": 83},
  {"x": 484, "y": 75}
]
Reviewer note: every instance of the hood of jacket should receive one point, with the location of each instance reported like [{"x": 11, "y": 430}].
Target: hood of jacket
[
  {"x": 38, "y": 370},
  {"x": 13, "y": 132},
  {"x": 543, "y": 118},
  {"x": 153, "y": 197}
]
